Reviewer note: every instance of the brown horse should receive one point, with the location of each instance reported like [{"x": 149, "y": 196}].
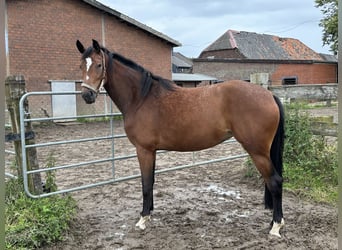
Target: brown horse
[{"x": 160, "y": 115}]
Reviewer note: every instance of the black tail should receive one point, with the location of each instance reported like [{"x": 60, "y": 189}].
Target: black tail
[{"x": 277, "y": 152}]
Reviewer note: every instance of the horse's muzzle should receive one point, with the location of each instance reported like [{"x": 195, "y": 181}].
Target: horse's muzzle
[{"x": 89, "y": 96}]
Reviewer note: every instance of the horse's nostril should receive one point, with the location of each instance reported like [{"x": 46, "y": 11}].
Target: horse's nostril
[{"x": 89, "y": 96}]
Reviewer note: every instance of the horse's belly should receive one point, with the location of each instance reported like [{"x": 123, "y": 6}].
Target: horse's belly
[{"x": 192, "y": 141}]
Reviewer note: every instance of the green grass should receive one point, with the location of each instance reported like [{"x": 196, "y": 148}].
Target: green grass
[
  {"x": 32, "y": 223},
  {"x": 309, "y": 186}
]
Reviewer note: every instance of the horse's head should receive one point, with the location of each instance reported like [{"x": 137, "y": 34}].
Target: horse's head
[{"x": 93, "y": 66}]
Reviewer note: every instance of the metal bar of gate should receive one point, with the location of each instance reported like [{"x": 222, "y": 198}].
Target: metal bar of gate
[
  {"x": 113, "y": 137},
  {"x": 126, "y": 178},
  {"x": 75, "y": 141},
  {"x": 81, "y": 164},
  {"x": 112, "y": 159}
]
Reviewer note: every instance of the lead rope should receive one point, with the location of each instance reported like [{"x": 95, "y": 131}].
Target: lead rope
[{"x": 104, "y": 71}]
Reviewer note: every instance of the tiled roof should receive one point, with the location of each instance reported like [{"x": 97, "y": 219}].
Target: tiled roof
[
  {"x": 132, "y": 21},
  {"x": 181, "y": 61},
  {"x": 252, "y": 45}
]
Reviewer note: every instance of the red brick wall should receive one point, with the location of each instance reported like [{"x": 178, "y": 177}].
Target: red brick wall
[
  {"x": 306, "y": 73},
  {"x": 131, "y": 42},
  {"x": 42, "y": 36}
]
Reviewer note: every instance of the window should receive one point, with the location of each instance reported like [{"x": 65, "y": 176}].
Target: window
[{"x": 290, "y": 80}]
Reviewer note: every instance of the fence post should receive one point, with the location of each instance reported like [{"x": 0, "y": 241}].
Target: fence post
[{"x": 14, "y": 90}]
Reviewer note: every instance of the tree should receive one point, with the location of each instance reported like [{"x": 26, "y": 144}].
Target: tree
[{"x": 329, "y": 23}]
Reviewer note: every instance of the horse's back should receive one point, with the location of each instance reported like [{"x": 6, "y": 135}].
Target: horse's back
[
  {"x": 236, "y": 100},
  {"x": 244, "y": 93}
]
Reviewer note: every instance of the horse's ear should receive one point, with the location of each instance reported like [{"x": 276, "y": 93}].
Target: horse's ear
[
  {"x": 80, "y": 47},
  {"x": 96, "y": 46}
]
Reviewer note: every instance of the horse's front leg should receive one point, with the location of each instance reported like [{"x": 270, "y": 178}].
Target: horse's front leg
[{"x": 147, "y": 161}]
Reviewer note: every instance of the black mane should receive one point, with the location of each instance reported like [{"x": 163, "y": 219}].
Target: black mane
[{"x": 147, "y": 76}]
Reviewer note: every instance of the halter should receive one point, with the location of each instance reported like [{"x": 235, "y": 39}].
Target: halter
[{"x": 83, "y": 84}]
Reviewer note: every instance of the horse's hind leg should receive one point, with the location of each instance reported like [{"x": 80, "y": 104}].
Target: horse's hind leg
[{"x": 273, "y": 182}]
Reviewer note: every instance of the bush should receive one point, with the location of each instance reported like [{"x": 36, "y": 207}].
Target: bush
[
  {"x": 32, "y": 223},
  {"x": 310, "y": 163}
]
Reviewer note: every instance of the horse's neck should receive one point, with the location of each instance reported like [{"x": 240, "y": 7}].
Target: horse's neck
[{"x": 124, "y": 88}]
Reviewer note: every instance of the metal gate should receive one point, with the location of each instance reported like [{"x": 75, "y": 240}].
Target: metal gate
[{"x": 95, "y": 168}]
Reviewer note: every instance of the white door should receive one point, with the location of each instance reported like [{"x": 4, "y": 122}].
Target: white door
[{"x": 63, "y": 105}]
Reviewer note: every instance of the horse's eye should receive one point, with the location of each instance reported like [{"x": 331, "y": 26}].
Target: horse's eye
[{"x": 99, "y": 65}]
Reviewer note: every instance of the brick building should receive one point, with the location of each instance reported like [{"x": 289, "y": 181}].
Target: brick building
[
  {"x": 237, "y": 55},
  {"x": 41, "y": 36}
]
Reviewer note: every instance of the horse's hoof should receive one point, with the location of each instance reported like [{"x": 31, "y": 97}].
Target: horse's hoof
[
  {"x": 276, "y": 227},
  {"x": 142, "y": 222}
]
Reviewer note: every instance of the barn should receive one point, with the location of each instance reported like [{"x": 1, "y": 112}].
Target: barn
[
  {"x": 239, "y": 54},
  {"x": 41, "y": 38},
  {"x": 182, "y": 73}
]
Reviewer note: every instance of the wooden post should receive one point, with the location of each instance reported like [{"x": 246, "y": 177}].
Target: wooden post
[
  {"x": 15, "y": 89},
  {"x": 3, "y": 67}
]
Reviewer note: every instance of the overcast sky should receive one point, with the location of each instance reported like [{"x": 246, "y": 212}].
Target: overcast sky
[{"x": 198, "y": 23}]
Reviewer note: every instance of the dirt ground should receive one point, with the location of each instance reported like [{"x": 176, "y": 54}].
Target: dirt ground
[{"x": 214, "y": 206}]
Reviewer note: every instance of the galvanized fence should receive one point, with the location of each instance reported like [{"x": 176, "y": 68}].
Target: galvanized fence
[{"x": 84, "y": 151}]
